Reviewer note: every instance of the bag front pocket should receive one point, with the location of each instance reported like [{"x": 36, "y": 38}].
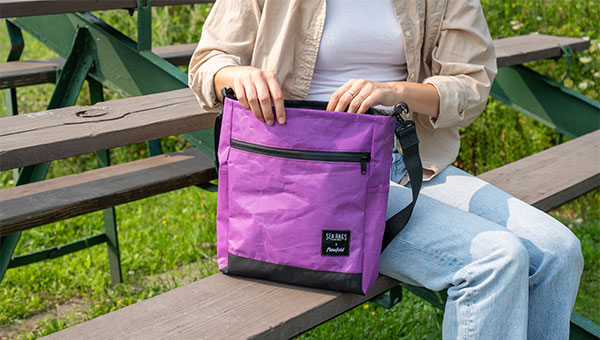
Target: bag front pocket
[{"x": 300, "y": 208}]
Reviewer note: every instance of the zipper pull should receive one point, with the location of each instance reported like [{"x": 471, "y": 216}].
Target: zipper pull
[{"x": 363, "y": 164}]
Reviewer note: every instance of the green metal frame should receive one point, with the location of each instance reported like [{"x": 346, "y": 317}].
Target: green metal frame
[
  {"x": 546, "y": 100},
  {"x": 16, "y": 49},
  {"x": 390, "y": 298}
]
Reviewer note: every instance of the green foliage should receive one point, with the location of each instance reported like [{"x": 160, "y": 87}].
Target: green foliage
[{"x": 168, "y": 240}]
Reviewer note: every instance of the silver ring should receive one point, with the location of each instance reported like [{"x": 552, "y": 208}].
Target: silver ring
[{"x": 352, "y": 93}]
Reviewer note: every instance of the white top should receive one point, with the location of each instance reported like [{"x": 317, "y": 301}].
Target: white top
[{"x": 361, "y": 39}]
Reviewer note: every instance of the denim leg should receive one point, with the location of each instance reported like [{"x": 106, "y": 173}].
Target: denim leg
[
  {"x": 483, "y": 265},
  {"x": 555, "y": 259}
]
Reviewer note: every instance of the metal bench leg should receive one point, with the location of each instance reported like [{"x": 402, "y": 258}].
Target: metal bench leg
[
  {"x": 110, "y": 217},
  {"x": 16, "y": 48},
  {"x": 8, "y": 243},
  {"x": 110, "y": 230}
]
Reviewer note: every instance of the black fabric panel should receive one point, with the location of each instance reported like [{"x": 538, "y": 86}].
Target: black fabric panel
[
  {"x": 341, "y": 282},
  {"x": 319, "y": 105}
]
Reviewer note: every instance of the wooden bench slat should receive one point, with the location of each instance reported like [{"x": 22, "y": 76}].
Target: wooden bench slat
[
  {"x": 33, "y": 72},
  {"x": 60, "y": 198},
  {"x": 29, "y": 72},
  {"x": 23, "y": 8},
  {"x": 178, "y": 55},
  {"x": 224, "y": 307},
  {"x": 525, "y": 48},
  {"x": 197, "y": 310},
  {"x": 56, "y": 134},
  {"x": 549, "y": 178}
]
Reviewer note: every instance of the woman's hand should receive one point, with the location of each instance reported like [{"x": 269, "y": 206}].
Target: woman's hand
[
  {"x": 255, "y": 89},
  {"x": 358, "y": 95}
]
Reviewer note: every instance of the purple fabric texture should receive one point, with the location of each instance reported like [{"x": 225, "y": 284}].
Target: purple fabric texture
[{"x": 275, "y": 209}]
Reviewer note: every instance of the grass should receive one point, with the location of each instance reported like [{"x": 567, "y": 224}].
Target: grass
[{"x": 168, "y": 240}]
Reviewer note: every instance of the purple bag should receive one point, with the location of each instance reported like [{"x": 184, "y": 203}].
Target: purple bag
[{"x": 304, "y": 202}]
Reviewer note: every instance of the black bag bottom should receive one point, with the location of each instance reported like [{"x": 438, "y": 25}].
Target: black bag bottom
[{"x": 342, "y": 282}]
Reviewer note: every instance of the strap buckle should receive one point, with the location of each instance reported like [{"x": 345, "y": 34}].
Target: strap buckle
[{"x": 405, "y": 128}]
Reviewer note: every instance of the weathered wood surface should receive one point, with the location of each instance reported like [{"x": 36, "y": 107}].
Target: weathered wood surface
[
  {"x": 60, "y": 198},
  {"x": 554, "y": 176},
  {"x": 32, "y": 72},
  {"x": 524, "y": 48},
  {"x": 23, "y": 8},
  {"x": 178, "y": 55},
  {"x": 56, "y": 134},
  {"x": 222, "y": 307}
]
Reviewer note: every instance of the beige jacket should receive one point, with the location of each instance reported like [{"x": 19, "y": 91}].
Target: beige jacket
[{"x": 447, "y": 44}]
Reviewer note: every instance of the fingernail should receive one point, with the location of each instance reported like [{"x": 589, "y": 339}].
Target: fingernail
[
  {"x": 270, "y": 121},
  {"x": 281, "y": 120}
]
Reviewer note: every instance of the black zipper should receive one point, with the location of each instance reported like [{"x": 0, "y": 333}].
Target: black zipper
[{"x": 328, "y": 156}]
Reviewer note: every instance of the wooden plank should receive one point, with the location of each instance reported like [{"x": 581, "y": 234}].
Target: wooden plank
[
  {"x": 56, "y": 134},
  {"x": 225, "y": 307},
  {"x": 23, "y": 8},
  {"x": 178, "y": 55},
  {"x": 32, "y": 72},
  {"x": 60, "y": 198},
  {"x": 222, "y": 307},
  {"x": 554, "y": 176},
  {"x": 524, "y": 48}
]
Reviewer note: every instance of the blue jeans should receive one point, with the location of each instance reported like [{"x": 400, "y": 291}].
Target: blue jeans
[{"x": 512, "y": 271}]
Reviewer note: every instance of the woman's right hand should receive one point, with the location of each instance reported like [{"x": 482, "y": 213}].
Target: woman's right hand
[{"x": 255, "y": 89}]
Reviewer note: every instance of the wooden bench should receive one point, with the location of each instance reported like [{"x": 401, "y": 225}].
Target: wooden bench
[
  {"x": 225, "y": 307},
  {"x": 49, "y": 135}
]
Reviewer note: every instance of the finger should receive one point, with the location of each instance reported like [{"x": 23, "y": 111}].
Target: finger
[
  {"x": 252, "y": 98},
  {"x": 337, "y": 95},
  {"x": 277, "y": 97},
  {"x": 366, "y": 104},
  {"x": 355, "y": 103},
  {"x": 264, "y": 100},
  {"x": 344, "y": 101},
  {"x": 240, "y": 93},
  {"x": 366, "y": 90}
]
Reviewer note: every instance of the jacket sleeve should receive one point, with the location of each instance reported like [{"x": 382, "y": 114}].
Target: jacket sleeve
[
  {"x": 463, "y": 64},
  {"x": 227, "y": 39}
]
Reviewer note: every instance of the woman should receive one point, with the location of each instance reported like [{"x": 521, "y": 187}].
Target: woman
[{"x": 512, "y": 271}]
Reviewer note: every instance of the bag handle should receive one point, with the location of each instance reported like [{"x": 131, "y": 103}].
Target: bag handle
[{"x": 407, "y": 135}]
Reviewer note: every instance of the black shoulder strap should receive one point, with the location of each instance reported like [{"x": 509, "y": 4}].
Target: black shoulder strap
[
  {"x": 407, "y": 135},
  {"x": 226, "y": 93}
]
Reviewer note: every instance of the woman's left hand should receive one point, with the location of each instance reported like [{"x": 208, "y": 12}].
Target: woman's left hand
[{"x": 358, "y": 95}]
